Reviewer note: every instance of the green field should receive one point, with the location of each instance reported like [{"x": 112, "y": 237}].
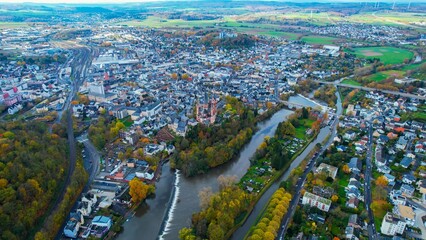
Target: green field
[
  {"x": 157, "y": 22},
  {"x": 412, "y": 66},
  {"x": 380, "y": 76},
  {"x": 301, "y": 130},
  {"x": 318, "y": 40},
  {"x": 387, "y": 55},
  {"x": 351, "y": 82},
  {"x": 12, "y": 25},
  {"x": 286, "y": 35}
]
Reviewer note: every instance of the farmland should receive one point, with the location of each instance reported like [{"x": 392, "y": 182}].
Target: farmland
[{"x": 318, "y": 40}]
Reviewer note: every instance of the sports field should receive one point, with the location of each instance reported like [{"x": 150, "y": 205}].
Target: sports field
[{"x": 387, "y": 55}]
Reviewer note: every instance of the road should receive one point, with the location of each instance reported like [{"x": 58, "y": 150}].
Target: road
[
  {"x": 94, "y": 158},
  {"x": 80, "y": 63},
  {"x": 79, "y": 66},
  {"x": 368, "y": 89},
  {"x": 367, "y": 184},
  {"x": 301, "y": 181}
]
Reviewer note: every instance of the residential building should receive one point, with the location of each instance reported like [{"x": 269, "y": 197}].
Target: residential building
[
  {"x": 316, "y": 201},
  {"x": 392, "y": 224},
  {"x": 330, "y": 170},
  {"x": 406, "y": 213}
]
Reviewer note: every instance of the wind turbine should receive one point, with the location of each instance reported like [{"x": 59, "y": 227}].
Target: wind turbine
[
  {"x": 393, "y": 5},
  {"x": 409, "y": 4}
]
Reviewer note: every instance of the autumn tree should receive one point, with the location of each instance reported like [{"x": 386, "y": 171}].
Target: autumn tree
[
  {"x": 138, "y": 190},
  {"x": 226, "y": 181},
  {"x": 334, "y": 198},
  {"x": 185, "y": 76},
  {"x": 381, "y": 181},
  {"x": 346, "y": 169},
  {"x": 204, "y": 195}
]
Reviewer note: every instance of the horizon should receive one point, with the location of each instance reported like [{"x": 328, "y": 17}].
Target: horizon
[{"x": 87, "y": 2}]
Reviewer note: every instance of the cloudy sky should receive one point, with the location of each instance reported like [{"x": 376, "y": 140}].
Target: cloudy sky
[{"x": 124, "y": 1}]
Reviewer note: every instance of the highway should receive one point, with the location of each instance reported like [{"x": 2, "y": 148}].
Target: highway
[
  {"x": 402, "y": 94},
  {"x": 301, "y": 181},
  {"x": 367, "y": 184}
]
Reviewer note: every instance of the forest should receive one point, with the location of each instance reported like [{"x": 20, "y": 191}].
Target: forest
[
  {"x": 33, "y": 164},
  {"x": 206, "y": 147},
  {"x": 230, "y": 42}
]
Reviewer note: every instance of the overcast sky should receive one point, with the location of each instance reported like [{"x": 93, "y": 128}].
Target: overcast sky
[{"x": 124, "y": 1}]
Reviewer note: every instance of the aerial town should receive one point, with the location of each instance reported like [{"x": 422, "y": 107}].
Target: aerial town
[{"x": 213, "y": 127}]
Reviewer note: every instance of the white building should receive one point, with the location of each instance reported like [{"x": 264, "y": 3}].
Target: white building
[
  {"x": 392, "y": 224},
  {"x": 316, "y": 201},
  {"x": 405, "y": 212}
]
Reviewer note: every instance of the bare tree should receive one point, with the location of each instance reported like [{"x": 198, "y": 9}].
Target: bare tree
[
  {"x": 226, "y": 181},
  {"x": 204, "y": 195}
]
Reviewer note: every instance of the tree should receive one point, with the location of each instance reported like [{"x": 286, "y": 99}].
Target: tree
[
  {"x": 205, "y": 194},
  {"x": 305, "y": 113},
  {"x": 186, "y": 234},
  {"x": 286, "y": 128},
  {"x": 269, "y": 236},
  {"x": 138, "y": 190},
  {"x": 226, "y": 181},
  {"x": 381, "y": 181},
  {"x": 174, "y": 76},
  {"x": 334, "y": 198},
  {"x": 346, "y": 169},
  {"x": 185, "y": 76}
]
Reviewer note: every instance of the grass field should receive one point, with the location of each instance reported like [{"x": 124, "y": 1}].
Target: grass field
[
  {"x": 301, "y": 130},
  {"x": 351, "y": 82},
  {"x": 391, "y": 18},
  {"x": 286, "y": 35},
  {"x": 12, "y": 25},
  {"x": 380, "y": 76},
  {"x": 387, "y": 55},
  {"x": 157, "y": 22},
  {"x": 412, "y": 66},
  {"x": 318, "y": 40}
]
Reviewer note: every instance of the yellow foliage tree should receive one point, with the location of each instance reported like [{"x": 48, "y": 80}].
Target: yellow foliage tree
[
  {"x": 346, "y": 169},
  {"x": 138, "y": 190},
  {"x": 381, "y": 181},
  {"x": 334, "y": 198}
]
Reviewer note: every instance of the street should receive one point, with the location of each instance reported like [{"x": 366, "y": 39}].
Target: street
[
  {"x": 93, "y": 158},
  {"x": 311, "y": 164},
  {"x": 367, "y": 184}
]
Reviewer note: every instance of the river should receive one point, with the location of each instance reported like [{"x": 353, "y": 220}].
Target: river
[
  {"x": 153, "y": 220},
  {"x": 260, "y": 205}
]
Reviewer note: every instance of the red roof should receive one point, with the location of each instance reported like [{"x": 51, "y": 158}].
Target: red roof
[{"x": 399, "y": 129}]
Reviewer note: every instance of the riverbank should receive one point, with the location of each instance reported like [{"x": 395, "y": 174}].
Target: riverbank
[
  {"x": 189, "y": 201},
  {"x": 271, "y": 160}
]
